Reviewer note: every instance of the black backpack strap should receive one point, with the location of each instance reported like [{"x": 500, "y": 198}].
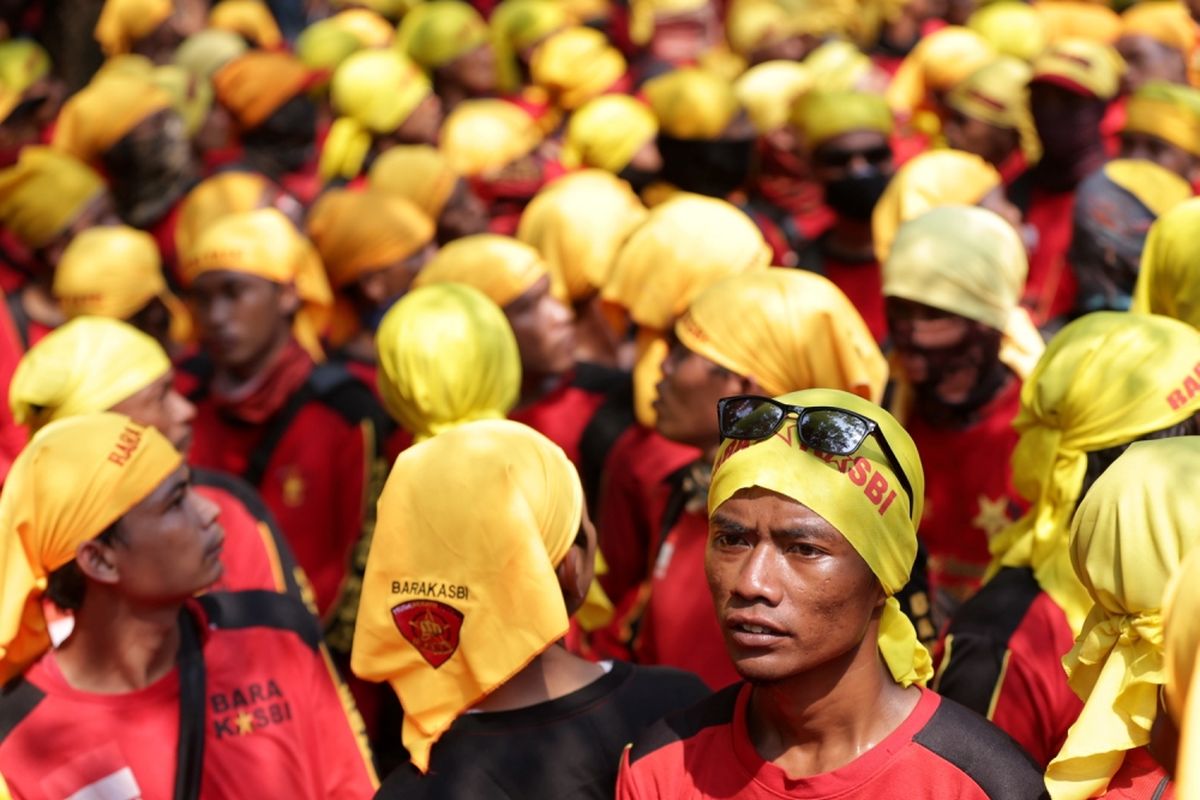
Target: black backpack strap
[
  {"x": 607, "y": 424},
  {"x": 676, "y": 502},
  {"x": 189, "y": 760}
]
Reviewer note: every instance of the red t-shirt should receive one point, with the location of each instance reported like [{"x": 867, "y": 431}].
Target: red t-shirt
[
  {"x": 561, "y": 416},
  {"x": 1051, "y": 286},
  {"x": 1140, "y": 778},
  {"x": 276, "y": 724},
  {"x": 969, "y": 495},
  {"x": 862, "y": 283},
  {"x": 940, "y": 751}
]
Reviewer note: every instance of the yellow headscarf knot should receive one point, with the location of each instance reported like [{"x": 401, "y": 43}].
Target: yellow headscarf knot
[
  {"x": 205, "y": 52},
  {"x": 822, "y": 115},
  {"x": 375, "y": 92},
  {"x": 608, "y": 132},
  {"x": 44, "y": 192},
  {"x": 255, "y": 85},
  {"x": 436, "y": 33},
  {"x": 86, "y": 366},
  {"x": 1181, "y": 615},
  {"x": 72, "y": 481},
  {"x": 1167, "y": 282},
  {"x": 1129, "y": 536},
  {"x": 23, "y": 63},
  {"x": 494, "y": 557},
  {"x": 480, "y": 136},
  {"x": 1165, "y": 22},
  {"x": 884, "y": 535},
  {"x": 576, "y": 65},
  {"x": 418, "y": 173},
  {"x": 264, "y": 243},
  {"x": 578, "y": 223},
  {"x": 499, "y": 266},
  {"x": 1068, "y": 19},
  {"x": 1082, "y": 66},
  {"x": 250, "y": 19},
  {"x": 361, "y": 232},
  {"x": 998, "y": 94},
  {"x": 122, "y": 23},
  {"x": 101, "y": 113},
  {"x": 1070, "y": 406},
  {"x": 691, "y": 103},
  {"x": 221, "y": 195},
  {"x": 1012, "y": 28},
  {"x": 518, "y": 25},
  {"x": 769, "y": 91},
  {"x": 788, "y": 330},
  {"x": 447, "y": 356},
  {"x": 938, "y": 62},
  {"x": 1166, "y": 111},
  {"x": 115, "y": 271}
]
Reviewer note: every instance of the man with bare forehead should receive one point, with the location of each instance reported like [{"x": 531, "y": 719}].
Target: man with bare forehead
[{"x": 811, "y": 531}]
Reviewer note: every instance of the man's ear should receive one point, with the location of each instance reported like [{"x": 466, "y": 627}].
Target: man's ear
[
  {"x": 574, "y": 577},
  {"x": 97, "y": 562},
  {"x": 289, "y": 301}
]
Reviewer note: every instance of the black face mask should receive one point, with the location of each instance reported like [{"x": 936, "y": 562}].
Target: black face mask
[
  {"x": 713, "y": 168},
  {"x": 638, "y": 178},
  {"x": 855, "y": 196}
]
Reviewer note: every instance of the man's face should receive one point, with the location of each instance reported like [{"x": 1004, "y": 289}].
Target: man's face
[
  {"x": 943, "y": 354},
  {"x": 991, "y": 143},
  {"x": 240, "y": 317},
  {"x": 791, "y": 593},
  {"x": 1147, "y": 147},
  {"x": 476, "y": 71},
  {"x": 1148, "y": 59},
  {"x": 464, "y": 214},
  {"x": 423, "y": 125},
  {"x": 160, "y": 406},
  {"x": 542, "y": 326},
  {"x": 168, "y": 546},
  {"x": 687, "y": 399},
  {"x": 851, "y": 154},
  {"x": 1066, "y": 121}
]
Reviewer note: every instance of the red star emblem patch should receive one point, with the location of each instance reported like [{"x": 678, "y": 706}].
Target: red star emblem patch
[{"x": 429, "y": 626}]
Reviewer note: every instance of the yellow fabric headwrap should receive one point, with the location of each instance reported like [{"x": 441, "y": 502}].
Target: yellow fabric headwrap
[
  {"x": 838, "y": 66},
  {"x": 254, "y": 86},
  {"x": 221, "y": 195},
  {"x": 578, "y": 223},
  {"x": 392, "y": 9},
  {"x": 494, "y": 558},
  {"x": 1167, "y": 283},
  {"x": 114, "y": 271},
  {"x": 124, "y": 22},
  {"x": 23, "y": 63},
  {"x": 861, "y": 497},
  {"x": 753, "y": 24},
  {"x": 691, "y": 103},
  {"x": 933, "y": 179},
  {"x": 101, "y": 113},
  {"x": 360, "y": 232},
  {"x": 1165, "y": 22},
  {"x": 608, "y": 132},
  {"x": 576, "y": 65},
  {"x": 769, "y": 90},
  {"x": 375, "y": 92},
  {"x": 264, "y": 243},
  {"x": 207, "y": 51},
  {"x": 418, "y": 173},
  {"x": 1181, "y": 626},
  {"x": 1071, "y": 405},
  {"x": 518, "y": 25},
  {"x": 1067, "y": 19},
  {"x": 327, "y": 43},
  {"x": 820, "y": 115},
  {"x": 1155, "y": 187},
  {"x": 1167, "y": 111},
  {"x": 436, "y": 33},
  {"x": 1083, "y": 66},
  {"x": 938, "y": 62},
  {"x": 499, "y": 266},
  {"x": 72, "y": 481},
  {"x": 1013, "y": 29},
  {"x": 484, "y": 135},
  {"x": 44, "y": 192},
  {"x": 446, "y": 356},
  {"x": 191, "y": 95},
  {"x": 86, "y": 366},
  {"x": 970, "y": 262},
  {"x": 643, "y": 13},
  {"x": 250, "y": 19},
  {"x": 1129, "y": 536},
  {"x": 788, "y": 330},
  {"x": 998, "y": 94}
]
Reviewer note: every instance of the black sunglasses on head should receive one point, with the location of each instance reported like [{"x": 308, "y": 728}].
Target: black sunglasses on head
[{"x": 832, "y": 430}]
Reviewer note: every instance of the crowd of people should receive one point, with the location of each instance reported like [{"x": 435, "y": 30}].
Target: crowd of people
[{"x": 599, "y": 398}]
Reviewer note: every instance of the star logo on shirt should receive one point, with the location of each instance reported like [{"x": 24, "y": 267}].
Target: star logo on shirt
[
  {"x": 245, "y": 724},
  {"x": 993, "y": 515}
]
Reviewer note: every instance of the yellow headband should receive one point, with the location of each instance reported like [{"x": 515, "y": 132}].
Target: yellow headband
[
  {"x": 44, "y": 192},
  {"x": 444, "y": 632},
  {"x": 998, "y": 94},
  {"x": 859, "y": 495},
  {"x": 436, "y": 33},
  {"x": 480, "y": 136},
  {"x": 608, "y": 132},
  {"x": 1070, "y": 406},
  {"x": 1181, "y": 626},
  {"x": 1083, "y": 66},
  {"x": 692, "y": 103},
  {"x": 499, "y": 266},
  {"x": 357, "y": 233},
  {"x": 75, "y": 478},
  {"x": 100, "y": 115},
  {"x": 447, "y": 356},
  {"x": 122, "y": 23},
  {"x": 418, "y": 173},
  {"x": 823, "y": 115},
  {"x": 1167, "y": 282},
  {"x": 1166, "y": 111},
  {"x": 1129, "y": 536}
]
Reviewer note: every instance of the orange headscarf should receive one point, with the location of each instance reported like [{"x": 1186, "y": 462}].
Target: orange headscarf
[{"x": 255, "y": 85}]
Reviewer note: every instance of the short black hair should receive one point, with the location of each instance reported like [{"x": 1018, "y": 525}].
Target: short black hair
[
  {"x": 1100, "y": 460},
  {"x": 66, "y": 585}
]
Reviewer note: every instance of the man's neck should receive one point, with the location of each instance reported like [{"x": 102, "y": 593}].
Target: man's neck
[
  {"x": 964, "y": 415},
  {"x": 554, "y": 674},
  {"x": 232, "y": 378},
  {"x": 118, "y": 646},
  {"x": 822, "y": 720}
]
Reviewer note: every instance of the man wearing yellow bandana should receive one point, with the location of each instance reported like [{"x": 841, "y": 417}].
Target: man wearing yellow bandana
[
  {"x": 576, "y": 65},
  {"x": 1156, "y": 43},
  {"x": 1002, "y": 651},
  {"x": 99, "y": 516},
  {"x": 422, "y": 175},
  {"x": 812, "y": 528},
  {"x": 490, "y": 698},
  {"x": 30, "y": 97},
  {"x": 988, "y": 114},
  {"x": 451, "y": 41},
  {"x": 153, "y": 28},
  {"x": 618, "y": 134},
  {"x": 1162, "y": 125},
  {"x": 1130, "y": 535}
]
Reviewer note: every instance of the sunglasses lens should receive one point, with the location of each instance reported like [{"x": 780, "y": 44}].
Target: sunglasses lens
[
  {"x": 832, "y": 431},
  {"x": 749, "y": 418}
]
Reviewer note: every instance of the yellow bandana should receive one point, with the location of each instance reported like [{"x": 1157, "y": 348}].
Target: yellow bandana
[
  {"x": 1166, "y": 111},
  {"x": 822, "y": 115},
  {"x": 608, "y": 132},
  {"x": 768, "y": 92},
  {"x": 1167, "y": 283},
  {"x": 418, "y": 173},
  {"x": 357, "y": 233},
  {"x": 499, "y": 266},
  {"x": 44, "y": 192},
  {"x": 250, "y": 19},
  {"x": 22, "y": 64},
  {"x": 692, "y": 103},
  {"x": 219, "y": 196},
  {"x": 1012, "y": 28},
  {"x": 998, "y": 94},
  {"x": 938, "y": 62},
  {"x": 123, "y": 23},
  {"x": 436, "y": 33},
  {"x": 576, "y": 65},
  {"x": 480, "y": 136},
  {"x": 101, "y": 113}
]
